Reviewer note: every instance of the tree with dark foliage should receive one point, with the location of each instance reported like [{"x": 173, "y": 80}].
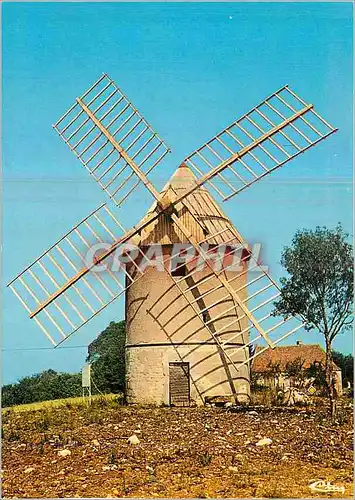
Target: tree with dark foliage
[
  {"x": 319, "y": 287},
  {"x": 296, "y": 372},
  {"x": 346, "y": 363},
  {"x": 41, "y": 387},
  {"x": 107, "y": 357}
]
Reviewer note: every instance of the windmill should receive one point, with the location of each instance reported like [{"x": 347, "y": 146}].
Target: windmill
[{"x": 192, "y": 323}]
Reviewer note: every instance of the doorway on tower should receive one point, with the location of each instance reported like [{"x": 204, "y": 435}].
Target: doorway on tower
[{"x": 179, "y": 384}]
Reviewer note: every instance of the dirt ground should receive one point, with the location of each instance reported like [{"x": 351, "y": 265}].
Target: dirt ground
[{"x": 182, "y": 452}]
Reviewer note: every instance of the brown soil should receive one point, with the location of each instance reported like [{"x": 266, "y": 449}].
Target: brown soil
[{"x": 186, "y": 452}]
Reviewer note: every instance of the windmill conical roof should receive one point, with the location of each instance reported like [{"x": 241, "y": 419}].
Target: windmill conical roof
[{"x": 204, "y": 209}]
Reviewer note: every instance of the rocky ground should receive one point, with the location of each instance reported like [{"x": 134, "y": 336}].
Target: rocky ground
[{"x": 80, "y": 451}]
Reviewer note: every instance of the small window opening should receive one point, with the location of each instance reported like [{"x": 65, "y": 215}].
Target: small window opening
[
  {"x": 205, "y": 316},
  {"x": 180, "y": 270}
]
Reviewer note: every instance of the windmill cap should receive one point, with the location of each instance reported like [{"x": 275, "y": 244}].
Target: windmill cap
[
  {"x": 202, "y": 206},
  {"x": 181, "y": 178}
]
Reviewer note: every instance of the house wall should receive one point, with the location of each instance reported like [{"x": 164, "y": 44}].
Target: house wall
[
  {"x": 284, "y": 382},
  {"x": 338, "y": 382},
  {"x": 163, "y": 328}
]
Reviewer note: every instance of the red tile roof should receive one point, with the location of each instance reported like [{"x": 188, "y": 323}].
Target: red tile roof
[{"x": 309, "y": 353}]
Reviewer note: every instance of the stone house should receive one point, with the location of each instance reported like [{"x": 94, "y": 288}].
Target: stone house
[{"x": 283, "y": 355}]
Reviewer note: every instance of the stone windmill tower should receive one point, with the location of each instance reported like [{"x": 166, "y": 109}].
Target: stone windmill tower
[
  {"x": 170, "y": 355},
  {"x": 190, "y": 325}
]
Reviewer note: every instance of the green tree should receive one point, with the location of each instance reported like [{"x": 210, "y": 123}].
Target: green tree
[
  {"x": 346, "y": 364},
  {"x": 42, "y": 387},
  {"x": 107, "y": 357},
  {"x": 319, "y": 287}
]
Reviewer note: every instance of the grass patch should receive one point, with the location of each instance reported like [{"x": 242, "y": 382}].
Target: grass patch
[{"x": 102, "y": 399}]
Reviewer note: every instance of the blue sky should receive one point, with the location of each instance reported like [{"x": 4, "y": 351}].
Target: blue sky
[{"x": 191, "y": 69}]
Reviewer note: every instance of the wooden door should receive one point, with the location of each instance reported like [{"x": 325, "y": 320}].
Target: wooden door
[{"x": 179, "y": 384}]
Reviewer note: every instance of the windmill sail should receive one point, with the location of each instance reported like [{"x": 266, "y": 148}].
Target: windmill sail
[
  {"x": 271, "y": 134},
  {"x": 79, "y": 275},
  {"x": 110, "y": 137}
]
